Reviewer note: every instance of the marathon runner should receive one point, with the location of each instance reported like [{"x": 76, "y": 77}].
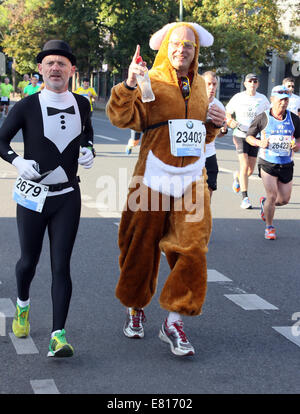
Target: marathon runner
[
  {"x": 47, "y": 190},
  {"x": 242, "y": 108},
  {"x": 280, "y": 137},
  {"x": 211, "y": 164}
]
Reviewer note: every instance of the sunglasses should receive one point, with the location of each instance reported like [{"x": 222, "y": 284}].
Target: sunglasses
[
  {"x": 187, "y": 44},
  {"x": 186, "y": 88},
  {"x": 281, "y": 92},
  {"x": 252, "y": 80}
]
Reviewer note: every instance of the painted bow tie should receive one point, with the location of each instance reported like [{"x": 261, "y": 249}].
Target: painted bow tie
[{"x": 55, "y": 111}]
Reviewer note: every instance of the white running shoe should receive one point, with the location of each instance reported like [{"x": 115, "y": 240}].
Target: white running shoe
[
  {"x": 245, "y": 204},
  {"x": 133, "y": 327},
  {"x": 174, "y": 335}
]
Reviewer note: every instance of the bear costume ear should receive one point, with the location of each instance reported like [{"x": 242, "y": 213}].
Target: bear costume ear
[{"x": 206, "y": 39}]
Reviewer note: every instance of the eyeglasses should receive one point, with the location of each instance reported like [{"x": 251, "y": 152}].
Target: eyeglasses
[
  {"x": 281, "y": 92},
  {"x": 186, "y": 89},
  {"x": 290, "y": 86},
  {"x": 252, "y": 80},
  {"x": 187, "y": 44}
]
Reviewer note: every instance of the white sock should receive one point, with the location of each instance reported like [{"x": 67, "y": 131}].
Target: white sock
[
  {"x": 55, "y": 332},
  {"x": 173, "y": 317},
  {"x": 23, "y": 303}
]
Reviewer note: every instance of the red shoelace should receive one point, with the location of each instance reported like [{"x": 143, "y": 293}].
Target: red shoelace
[
  {"x": 138, "y": 318},
  {"x": 178, "y": 325}
]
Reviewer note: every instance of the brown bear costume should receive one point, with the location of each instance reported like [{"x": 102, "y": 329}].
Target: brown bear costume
[{"x": 180, "y": 231}]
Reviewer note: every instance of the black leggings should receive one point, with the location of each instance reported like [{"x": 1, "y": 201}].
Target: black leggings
[{"x": 61, "y": 215}]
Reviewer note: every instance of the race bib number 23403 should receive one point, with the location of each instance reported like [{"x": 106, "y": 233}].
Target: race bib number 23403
[{"x": 187, "y": 137}]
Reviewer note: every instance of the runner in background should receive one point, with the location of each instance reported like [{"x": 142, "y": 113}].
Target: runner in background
[
  {"x": 294, "y": 100},
  {"x": 22, "y": 84},
  {"x": 33, "y": 87},
  {"x": 5, "y": 90},
  {"x": 242, "y": 108},
  {"x": 133, "y": 141},
  {"x": 279, "y": 129},
  {"x": 87, "y": 91},
  {"x": 211, "y": 164}
]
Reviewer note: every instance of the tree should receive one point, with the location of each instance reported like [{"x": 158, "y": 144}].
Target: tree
[
  {"x": 107, "y": 31},
  {"x": 126, "y": 23},
  {"x": 244, "y": 31},
  {"x": 80, "y": 27},
  {"x": 24, "y": 35}
]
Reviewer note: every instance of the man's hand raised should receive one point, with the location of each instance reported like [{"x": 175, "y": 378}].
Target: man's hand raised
[{"x": 135, "y": 68}]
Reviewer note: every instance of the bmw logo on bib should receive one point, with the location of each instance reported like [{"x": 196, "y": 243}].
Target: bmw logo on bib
[{"x": 189, "y": 124}]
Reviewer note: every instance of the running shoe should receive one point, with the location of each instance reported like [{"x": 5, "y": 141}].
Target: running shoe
[
  {"x": 176, "y": 338},
  {"x": 270, "y": 233},
  {"x": 245, "y": 204},
  {"x": 133, "y": 327},
  {"x": 59, "y": 346},
  {"x": 128, "y": 150},
  {"x": 131, "y": 143},
  {"x": 236, "y": 183},
  {"x": 21, "y": 325},
  {"x": 262, "y": 213}
]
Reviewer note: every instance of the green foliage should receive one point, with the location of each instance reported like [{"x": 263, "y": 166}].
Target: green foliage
[
  {"x": 107, "y": 31},
  {"x": 25, "y": 30},
  {"x": 244, "y": 32},
  {"x": 127, "y": 23},
  {"x": 79, "y": 26}
]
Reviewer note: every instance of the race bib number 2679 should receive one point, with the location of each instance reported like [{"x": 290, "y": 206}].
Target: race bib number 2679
[{"x": 30, "y": 194}]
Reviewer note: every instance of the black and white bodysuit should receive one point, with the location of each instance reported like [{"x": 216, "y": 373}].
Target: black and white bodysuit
[{"x": 54, "y": 127}]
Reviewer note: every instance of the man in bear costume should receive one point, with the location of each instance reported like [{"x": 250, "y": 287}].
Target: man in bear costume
[{"x": 168, "y": 204}]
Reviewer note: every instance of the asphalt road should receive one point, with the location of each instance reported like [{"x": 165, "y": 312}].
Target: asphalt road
[{"x": 247, "y": 340}]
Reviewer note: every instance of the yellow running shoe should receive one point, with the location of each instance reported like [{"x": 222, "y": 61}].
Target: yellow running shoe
[
  {"x": 59, "y": 346},
  {"x": 21, "y": 325}
]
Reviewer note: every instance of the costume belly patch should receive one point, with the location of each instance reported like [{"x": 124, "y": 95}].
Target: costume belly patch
[{"x": 168, "y": 179}]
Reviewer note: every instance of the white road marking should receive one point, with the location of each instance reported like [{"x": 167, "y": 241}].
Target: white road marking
[
  {"x": 2, "y": 324},
  {"x": 215, "y": 276},
  {"x": 109, "y": 214},
  {"x": 7, "y": 307},
  {"x": 252, "y": 177},
  {"x": 250, "y": 302},
  {"x": 7, "y": 174},
  {"x": 46, "y": 386},
  {"x": 224, "y": 143},
  {"x": 85, "y": 197},
  {"x": 23, "y": 345},
  {"x": 90, "y": 204},
  {"x": 107, "y": 138},
  {"x": 287, "y": 331}
]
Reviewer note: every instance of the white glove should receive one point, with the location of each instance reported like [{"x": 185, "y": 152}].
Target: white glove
[
  {"x": 87, "y": 159},
  {"x": 25, "y": 168}
]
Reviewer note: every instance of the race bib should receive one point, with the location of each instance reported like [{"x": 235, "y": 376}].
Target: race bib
[
  {"x": 30, "y": 194},
  {"x": 4, "y": 99},
  {"x": 280, "y": 144},
  {"x": 187, "y": 137}
]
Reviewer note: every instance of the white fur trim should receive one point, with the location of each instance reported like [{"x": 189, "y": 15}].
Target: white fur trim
[
  {"x": 170, "y": 180},
  {"x": 206, "y": 39}
]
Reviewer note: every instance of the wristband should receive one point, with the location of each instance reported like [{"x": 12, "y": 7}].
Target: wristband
[
  {"x": 129, "y": 87},
  {"x": 93, "y": 150},
  {"x": 218, "y": 126}
]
